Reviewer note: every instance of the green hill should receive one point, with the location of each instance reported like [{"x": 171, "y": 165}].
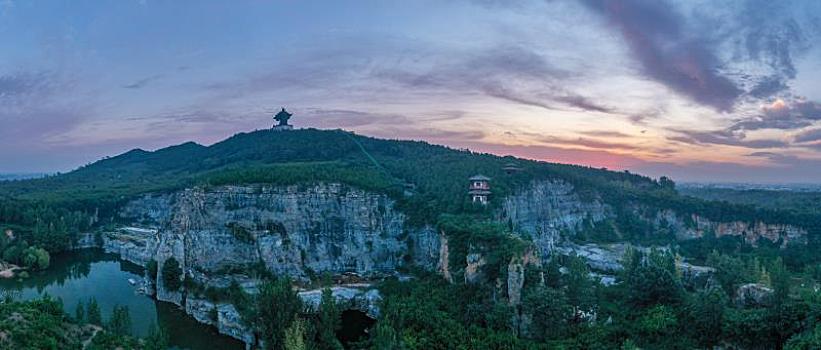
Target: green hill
[{"x": 89, "y": 196}]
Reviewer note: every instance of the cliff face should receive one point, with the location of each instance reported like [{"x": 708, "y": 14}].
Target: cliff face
[
  {"x": 547, "y": 209},
  {"x": 550, "y": 212},
  {"x": 305, "y": 230},
  {"x": 292, "y": 230},
  {"x": 223, "y": 234},
  {"x": 751, "y": 232}
]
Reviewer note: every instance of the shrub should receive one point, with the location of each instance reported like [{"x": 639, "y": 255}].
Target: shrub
[
  {"x": 152, "y": 269},
  {"x": 171, "y": 274}
]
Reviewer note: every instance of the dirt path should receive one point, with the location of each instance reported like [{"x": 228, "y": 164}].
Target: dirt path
[{"x": 87, "y": 342}]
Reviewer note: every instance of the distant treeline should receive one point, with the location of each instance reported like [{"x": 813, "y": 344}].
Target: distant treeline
[{"x": 435, "y": 177}]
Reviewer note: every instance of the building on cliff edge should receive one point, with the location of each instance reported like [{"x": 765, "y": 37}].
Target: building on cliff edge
[{"x": 479, "y": 189}]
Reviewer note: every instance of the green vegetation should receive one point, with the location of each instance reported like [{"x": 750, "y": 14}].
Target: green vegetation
[
  {"x": 93, "y": 315},
  {"x": 784, "y": 200},
  {"x": 471, "y": 234},
  {"x": 172, "y": 274},
  {"x": 35, "y": 325},
  {"x": 272, "y": 311},
  {"x": 17, "y": 251},
  {"x": 48, "y": 212},
  {"x": 295, "y": 336},
  {"x": 120, "y": 322},
  {"x": 328, "y": 322},
  {"x": 42, "y": 324},
  {"x": 649, "y": 307},
  {"x": 152, "y": 268},
  {"x": 432, "y": 314}
]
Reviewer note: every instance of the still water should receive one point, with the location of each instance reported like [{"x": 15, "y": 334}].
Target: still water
[{"x": 78, "y": 276}]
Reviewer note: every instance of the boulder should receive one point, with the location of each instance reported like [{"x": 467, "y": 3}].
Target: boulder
[{"x": 753, "y": 295}]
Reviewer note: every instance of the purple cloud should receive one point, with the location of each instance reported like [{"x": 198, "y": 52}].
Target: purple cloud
[
  {"x": 811, "y": 135},
  {"x": 724, "y": 137},
  {"x": 654, "y": 33},
  {"x": 789, "y": 114}
]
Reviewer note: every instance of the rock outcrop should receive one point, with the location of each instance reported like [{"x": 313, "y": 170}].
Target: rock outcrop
[
  {"x": 222, "y": 235},
  {"x": 473, "y": 267},
  {"x": 289, "y": 230},
  {"x": 753, "y": 295},
  {"x": 550, "y": 212},
  {"x": 229, "y": 234},
  {"x": 546, "y": 209},
  {"x": 365, "y": 300},
  {"x": 229, "y": 322}
]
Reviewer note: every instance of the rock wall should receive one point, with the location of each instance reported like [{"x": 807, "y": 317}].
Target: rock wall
[
  {"x": 306, "y": 230},
  {"x": 546, "y": 209},
  {"x": 549, "y": 212},
  {"x": 227, "y": 233},
  {"x": 751, "y": 232},
  {"x": 289, "y": 230},
  {"x": 223, "y": 234}
]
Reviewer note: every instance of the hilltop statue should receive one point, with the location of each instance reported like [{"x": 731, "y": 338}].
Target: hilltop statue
[{"x": 282, "y": 120}]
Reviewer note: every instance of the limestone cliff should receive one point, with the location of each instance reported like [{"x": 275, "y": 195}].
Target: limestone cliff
[
  {"x": 546, "y": 209},
  {"x": 292, "y": 230},
  {"x": 227, "y": 234},
  {"x": 305, "y": 230},
  {"x": 550, "y": 212}
]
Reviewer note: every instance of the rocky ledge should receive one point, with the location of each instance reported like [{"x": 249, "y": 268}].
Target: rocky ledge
[{"x": 227, "y": 234}]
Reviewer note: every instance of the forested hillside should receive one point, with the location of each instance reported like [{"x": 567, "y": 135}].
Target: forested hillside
[
  {"x": 81, "y": 199},
  {"x": 806, "y": 202},
  {"x": 651, "y": 302}
]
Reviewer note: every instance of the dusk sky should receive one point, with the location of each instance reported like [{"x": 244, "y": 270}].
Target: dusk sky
[{"x": 698, "y": 90}]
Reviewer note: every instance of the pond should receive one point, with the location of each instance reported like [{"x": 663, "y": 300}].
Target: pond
[{"x": 80, "y": 275}]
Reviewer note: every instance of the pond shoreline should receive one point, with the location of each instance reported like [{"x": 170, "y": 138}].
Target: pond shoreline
[
  {"x": 228, "y": 322},
  {"x": 81, "y": 274},
  {"x": 138, "y": 246},
  {"x": 7, "y": 270}
]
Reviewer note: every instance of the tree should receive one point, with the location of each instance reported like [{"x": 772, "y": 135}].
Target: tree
[
  {"x": 657, "y": 327},
  {"x": 729, "y": 271},
  {"x": 152, "y": 269},
  {"x": 580, "y": 291},
  {"x": 654, "y": 281},
  {"x": 35, "y": 258},
  {"x": 631, "y": 261},
  {"x": 80, "y": 313},
  {"x": 747, "y": 329},
  {"x": 157, "y": 338},
  {"x": 275, "y": 308},
  {"x": 171, "y": 274},
  {"x": 384, "y": 337},
  {"x": 328, "y": 322},
  {"x": 780, "y": 279},
  {"x": 13, "y": 253},
  {"x": 667, "y": 184},
  {"x": 43, "y": 259},
  {"x": 553, "y": 274},
  {"x": 93, "y": 315},
  {"x": 120, "y": 323},
  {"x": 550, "y": 312},
  {"x": 809, "y": 340},
  {"x": 295, "y": 336},
  {"x": 705, "y": 316}
]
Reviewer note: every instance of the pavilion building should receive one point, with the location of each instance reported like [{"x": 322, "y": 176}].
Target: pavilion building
[{"x": 479, "y": 189}]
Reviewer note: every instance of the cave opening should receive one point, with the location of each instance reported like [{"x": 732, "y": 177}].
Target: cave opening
[{"x": 355, "y": 325}]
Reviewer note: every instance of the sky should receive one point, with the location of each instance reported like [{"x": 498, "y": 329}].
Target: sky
[{"x": 698, "y": 90}]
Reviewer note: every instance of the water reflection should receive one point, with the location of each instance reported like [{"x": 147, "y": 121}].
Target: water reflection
[{"x": 77, "y": 276}]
